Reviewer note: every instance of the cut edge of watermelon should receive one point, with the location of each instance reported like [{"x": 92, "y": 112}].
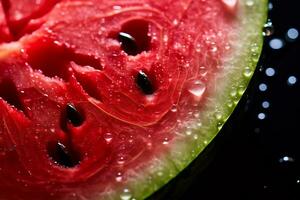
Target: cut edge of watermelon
[{"x": 243, "y": 61}]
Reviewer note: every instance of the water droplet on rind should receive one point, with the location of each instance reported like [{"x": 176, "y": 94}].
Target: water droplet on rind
[
  {"x": 268, "y": 29},
  {"x": 250, "y": 3}
]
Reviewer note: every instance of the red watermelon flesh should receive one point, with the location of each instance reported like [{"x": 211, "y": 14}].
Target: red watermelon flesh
[
  {"x": 96, "y": 96},
  {"x": 25, "y": 15}
]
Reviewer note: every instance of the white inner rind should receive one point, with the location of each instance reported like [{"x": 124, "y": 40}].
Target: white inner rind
[{"x": 238, "y": 69}]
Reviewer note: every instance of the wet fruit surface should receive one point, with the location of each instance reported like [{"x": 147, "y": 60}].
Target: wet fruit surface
[{"x": 105, "y": 99}]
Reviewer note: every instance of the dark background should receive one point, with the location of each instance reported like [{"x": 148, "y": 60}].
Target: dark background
[{"x": 257, "y": 153}]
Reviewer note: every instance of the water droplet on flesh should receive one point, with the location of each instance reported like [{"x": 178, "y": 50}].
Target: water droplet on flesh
[
  {"x": 197, "y": 89},
  {"x": 119, "y": 177},
  {"x": 174, "y": 108},
  {"x": 230, "y": 4},
  {"x": 121, "y": 160},
  {"x": 108, "y": 137},
  {"x": 126, "y": 195},
  {"x": 166, "y": 141}
]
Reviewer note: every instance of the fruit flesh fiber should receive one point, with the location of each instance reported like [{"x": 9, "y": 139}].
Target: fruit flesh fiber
[{"x": 128, "y": 140}]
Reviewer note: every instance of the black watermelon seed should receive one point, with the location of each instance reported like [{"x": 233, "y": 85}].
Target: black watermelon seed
[
  {"x": 144, "y": 83},
  {"x": 73, "y": 115},
  {"x": 128, "y": 43},
  {"x": 62, "y": 156}
]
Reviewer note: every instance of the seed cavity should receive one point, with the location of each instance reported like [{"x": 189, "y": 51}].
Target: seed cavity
[
  {"x": 73, "y": 115},
  {"x": 62, "y": 155},
  {"x": 9, "y": 93},
  {"x": 144, "y": 83}
]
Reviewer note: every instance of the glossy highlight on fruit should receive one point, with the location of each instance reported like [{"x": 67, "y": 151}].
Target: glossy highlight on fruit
[{"x": 112, "y": 99}]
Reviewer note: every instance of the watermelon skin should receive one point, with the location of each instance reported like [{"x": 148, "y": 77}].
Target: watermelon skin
[{"x": 159, "y": 146}]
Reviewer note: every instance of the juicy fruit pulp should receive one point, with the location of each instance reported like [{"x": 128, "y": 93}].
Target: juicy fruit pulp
[{"x": 111, "y": 99}]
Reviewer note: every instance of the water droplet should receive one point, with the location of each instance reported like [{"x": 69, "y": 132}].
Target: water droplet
[
  {"x": 108, "y": 137},
  {"x": 195, "y": 136},
  {"x": 199, "y": 124},
  {"x": 198, "y": 48},
  {"x": 117, "y": 7},
  {"x": 227, "y": 46},
  {"x": 261, "y": 116},
  {"x": 214, "y": 48},
  {"x": 270, "y": 71},
  {"x": 268, "y": 29},
  {"x": 276, "y": 43},
  {"x": 292, "y": 34},
  {"x": 160, "y": 173},
  {"x": 166, "y": 141},
  {"x": 197, "y": 115},
  {"x": 175, "y": 22},
  {"x": 126, "y": 195},
  {"x": 248, "y": 72},
  {"x": 230, "y": 104},
  {"x": 174, "y": 108},
  {"x": 263, "y": 87},
  {"x": 166, "y": 38},
  {"x": 286, "y": 159},
  {"x": 218, "y": 115},
  {"x": 121, "y": 160},
  {"x": 188, "y": 132},
  {"x": 270, "y": 6},
  {"x": 265, "y": 104},
  {"x": 197, "y": 89},
  {"x": 203, "y": 71},
  {"x": 249, "y": 3},
  {"x": 292, "y": 80},
  {"x": 230, "y": 4},
  {"x": 219, "y": 125},
  {"x": 119, "y": 177}
]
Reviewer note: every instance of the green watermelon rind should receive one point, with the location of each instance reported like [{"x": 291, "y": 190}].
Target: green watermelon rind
[{"x": 234, "y": 81}]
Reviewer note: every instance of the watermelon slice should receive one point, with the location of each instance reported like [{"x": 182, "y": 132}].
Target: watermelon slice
[{"x": 112, "y": 99}]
